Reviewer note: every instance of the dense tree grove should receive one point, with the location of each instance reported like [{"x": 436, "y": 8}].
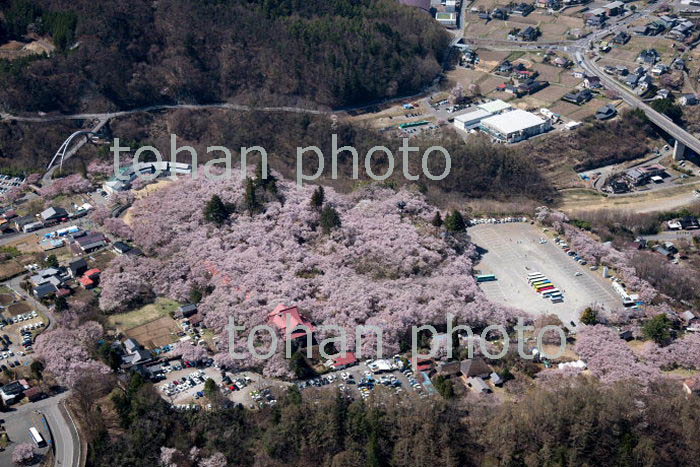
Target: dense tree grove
[
  {"x": 382, "y": 264},
  {"x": 135, "y": 53},
  {"x": 579, "y": 422},
  {"x": 67, "y": 353}
]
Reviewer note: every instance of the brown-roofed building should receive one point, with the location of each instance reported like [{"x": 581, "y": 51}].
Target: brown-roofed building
[
  {"x": 474, "y": 367},
  {"x": 33, "y": 394}
]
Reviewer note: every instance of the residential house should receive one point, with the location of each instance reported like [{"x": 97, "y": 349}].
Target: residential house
[
  {"x": 614, "y": 8},
  {"x": 621, "y": 38},
  {"x": 655, "y": 28},
  {"x": 642, "y": 30},
  {"x": 663, "y": 251},
  {"x": 20, "y": 222},
  {"x": 499, "y": 13},
  {"x": 529, "y": 34},
  {"x": 77, "y": 267},
  {"x": 659, "y": 69},
  {"x": 561, "y": 62},
  {"x": 678, "y": 64},
  {"x": 53, "y": 214},
  {"x": 185, "y": 311},
  {"x": 120, "y": 248},
  {"x": 525, "y": 74},
  {"x": 648, "y": 56},
  {"x": 90, "y": 278},
  {"x": 505, "y": 67},
  {"x": 44, "y": 291},
  {"x": 134, "y": 353},
  {"x": 522, "y": 9},
  {"x": 591, "y": 82},
  {"x": 34, "y": 394},
  {"x": 48, "y": 275},
  {"x": 450, "y": 369},
  {"x": 578, "y": 98},
  {"x": 688, "y": 99},
  {"x": 12, "y": 392},
  {"x": 596, "y": 18},
  {"x": 496, "y": 379},
  {"x": 474, "y": 367},
  {"x": 689, "y": 223},
  {"x": 667, "y": 21},
  {"x": 606, "y": 112},
  {"x": 91, "y": 241}
]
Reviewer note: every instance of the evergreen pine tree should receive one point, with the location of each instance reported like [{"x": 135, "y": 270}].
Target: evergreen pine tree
[
  {"x": 251, "y": 199},
  {"x": 318, "y": 198},
  {"x": 437, "y": 220},
  {"x": 330, "y": 219},
  {"x": 216, "y": 211},
  {"x": 455, "y": 222}
]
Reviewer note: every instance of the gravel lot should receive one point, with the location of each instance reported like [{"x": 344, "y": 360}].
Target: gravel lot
[{"x": 511, "y": 251}]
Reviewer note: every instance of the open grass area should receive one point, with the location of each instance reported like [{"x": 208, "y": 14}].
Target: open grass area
[{"x": 161, "y": 308}]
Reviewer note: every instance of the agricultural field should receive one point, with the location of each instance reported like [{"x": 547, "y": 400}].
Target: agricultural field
[{"x": 157, "y": 333}]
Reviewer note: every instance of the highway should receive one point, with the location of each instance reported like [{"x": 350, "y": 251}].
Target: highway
[
  {"x": 579, "y": 48},
  {"x": 659, "y": 119}
]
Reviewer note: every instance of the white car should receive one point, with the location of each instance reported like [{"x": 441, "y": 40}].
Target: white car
[{"x": 579, "y": 273}]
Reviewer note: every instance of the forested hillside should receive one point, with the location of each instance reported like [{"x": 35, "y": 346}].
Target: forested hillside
[
  {"x": 584, "y": 424},
  {"x": 133, "y": 53}
]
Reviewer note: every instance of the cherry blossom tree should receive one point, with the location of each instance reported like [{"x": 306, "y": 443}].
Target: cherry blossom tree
[
  {"x": 67, "y": 186},
  {"x": 118, "y": 228},
  {"x": 169, "y": 457},
  {"x": 66, "y": 352},
  {"x": 610, "y": 358},
  {"x": 383, "y": 266},
  {"x": 684, "y": 353},
  {"x": 216, "y": 460},
  {"x": 23, "y": 454},
  {"x": 189, "y": 352}
]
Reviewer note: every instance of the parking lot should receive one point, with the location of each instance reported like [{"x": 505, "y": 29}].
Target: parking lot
[
  {"x": 361, "y": 380},
  {"x": 185, "y": 386},
  {"x": 511, "y": 251}
]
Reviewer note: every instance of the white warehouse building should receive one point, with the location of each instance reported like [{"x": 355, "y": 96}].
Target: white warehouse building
[
  {"x": 471, "y": 120},
  {"x": 514, "y": 126}
]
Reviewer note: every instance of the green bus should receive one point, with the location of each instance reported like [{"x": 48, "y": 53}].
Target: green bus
[{"x": 485, "y": 277}]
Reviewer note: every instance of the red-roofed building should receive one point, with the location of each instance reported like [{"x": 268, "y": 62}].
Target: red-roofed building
[
  {"x": 86, "y": 282},
  {"x": 283, "y": 314},
  {"x": 92, "y": 273},
  {"x": 341, "y": 362},
  {"x": 424, "y": 365}
]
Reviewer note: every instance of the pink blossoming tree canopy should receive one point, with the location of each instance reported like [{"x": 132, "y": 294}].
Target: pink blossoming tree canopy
[
  {"x": 118, "y": 228},
  {"x": 383, "y": 266},
  {"x": 23, "y": 454},
  {"x": 67, "y": 186},
  {"x": 98, "y": 168},
  {"x": 66, "y": 352},
  {"x": 684, "y": 353},
  {"x": 189, "y": 352},
  {"x": 610, "y": 358}
]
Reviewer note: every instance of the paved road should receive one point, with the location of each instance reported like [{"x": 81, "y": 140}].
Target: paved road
[{"x": 58, "y": 425}]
